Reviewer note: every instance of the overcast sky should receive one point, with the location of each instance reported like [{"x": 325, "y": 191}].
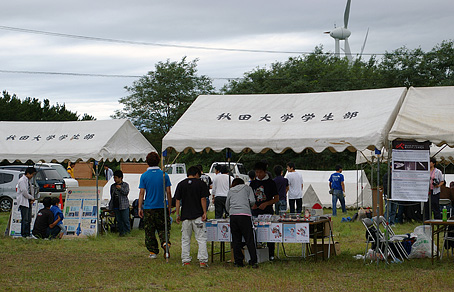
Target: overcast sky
[{"x": 290, "y": 26}]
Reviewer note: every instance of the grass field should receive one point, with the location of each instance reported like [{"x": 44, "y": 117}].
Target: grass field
[{"x": 108, "y": 262}]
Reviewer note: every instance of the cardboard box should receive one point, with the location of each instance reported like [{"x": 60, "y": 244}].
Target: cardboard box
[
  {"x": 327, "y": 225},
  {"x": 262, "y": 255},
  {"x": 336, "y": 246}
]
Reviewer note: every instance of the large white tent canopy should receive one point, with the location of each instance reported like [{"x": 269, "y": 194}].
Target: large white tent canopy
[
  {"x": 426, "y": 115},
  {"x": 334, "y": 120},
  {"x": 78, "y": 140}
]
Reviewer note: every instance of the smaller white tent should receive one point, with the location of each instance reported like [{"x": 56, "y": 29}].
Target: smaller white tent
[
  {"x": 310, "y": 198},
  {"x": 318, "y": 182},
  {"x": 76, "y": 140}
]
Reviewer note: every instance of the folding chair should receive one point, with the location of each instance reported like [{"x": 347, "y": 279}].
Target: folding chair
[
  {"x": 394, "y": 238},
  {"x": 380, "y": 244}
]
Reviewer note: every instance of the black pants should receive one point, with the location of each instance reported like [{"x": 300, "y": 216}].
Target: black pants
[
  {"x": 299, "y": 205},
  {"x": 219, "y": 207},
  {"x": 241, "y": 226},
  {"x": 435, "y": 207}
]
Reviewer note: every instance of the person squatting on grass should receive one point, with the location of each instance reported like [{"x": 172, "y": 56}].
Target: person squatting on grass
[
  {"x": 119, "y": 203},
  {"x": 44, "y": 223},
  {"x": 151, "y": 205},
  {"x": 240, "y": 199},
  {"x": 58, "y": 216},
  {"x": 193, "y": 192}
]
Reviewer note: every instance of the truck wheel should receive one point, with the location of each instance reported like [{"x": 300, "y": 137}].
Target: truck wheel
[{"x": 6, "y": 204}]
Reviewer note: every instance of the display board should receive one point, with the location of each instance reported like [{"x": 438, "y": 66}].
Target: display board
[
  {"x": 14, "y": 225},
  {"x": 265, "y": 232},
  {"x": 410, "y": 171},
  {"x": 80, "y": 213}
]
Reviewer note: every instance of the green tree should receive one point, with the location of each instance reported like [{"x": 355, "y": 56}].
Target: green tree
[
  {"x": 405, "y": 67},
  {"x": 158, "y": 99},
  {"x": 31, "y": 109},
  {"x": 316, "y": 72}
]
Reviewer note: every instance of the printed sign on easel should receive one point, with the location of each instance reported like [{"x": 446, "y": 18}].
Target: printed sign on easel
[{"x": 81, "y": 216}]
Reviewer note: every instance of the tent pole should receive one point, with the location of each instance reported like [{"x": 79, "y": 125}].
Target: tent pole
[
  {"x": 164, "y": 153},
  {"x": 97, "y": 196},
  {"x": 357, "y": 197}
]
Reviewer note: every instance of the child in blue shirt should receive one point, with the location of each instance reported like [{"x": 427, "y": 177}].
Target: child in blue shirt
[{"x": 58, "y": 216}]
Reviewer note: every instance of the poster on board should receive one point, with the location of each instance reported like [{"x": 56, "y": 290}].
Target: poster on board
[
  {"x": 15, "y": 218},
  {"x": 224, "y": 232},
  {"x": 212, "y": 228},
  {"x": 275, "y": 232},
  {"x": 81, "y": 214},
  {"x": 262, "y": 232},
  {"x": 302, "y": 232},
  {"x": 410, "y": 171}
]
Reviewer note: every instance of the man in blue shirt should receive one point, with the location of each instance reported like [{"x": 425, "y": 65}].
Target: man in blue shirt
[
  {"x": 151, "y": 205},
  {"x": 336, "y": 184}
]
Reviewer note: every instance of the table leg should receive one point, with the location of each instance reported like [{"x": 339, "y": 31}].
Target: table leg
[
  {"x": 212, "y": 251},
  {"x": 432, "y": 246}
]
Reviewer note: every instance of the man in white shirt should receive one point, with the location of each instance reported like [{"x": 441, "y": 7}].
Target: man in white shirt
[
  {"x": 221, "y": 186},
  {"x": 25, "y": 200},
  {"x": 108, "y": 173},
  {"x": 295, "y": 188}
]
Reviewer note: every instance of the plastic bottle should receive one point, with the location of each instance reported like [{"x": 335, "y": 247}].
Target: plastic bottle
[{"x": 445, "y": 214}]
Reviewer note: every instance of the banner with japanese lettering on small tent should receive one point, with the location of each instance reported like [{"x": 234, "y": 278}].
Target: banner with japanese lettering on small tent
[
  {"x": 353, "y": 120},
  {"x": 105, "y": 140}
]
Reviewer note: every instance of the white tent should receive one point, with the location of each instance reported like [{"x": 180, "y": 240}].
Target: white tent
[
  {"x": 79, "y": 140},
  {"x": 310, "y": 198},
  {"x": 426, "y": 115},
  {"x": 444, "y": 154},
  {"x": 334, "y": 120},
  {"x": 318, "y": 181}
]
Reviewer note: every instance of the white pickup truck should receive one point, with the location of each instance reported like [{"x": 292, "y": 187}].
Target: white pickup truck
[
  {"x": 236, "y": 170},
  {"x": 176, "y": 168}
]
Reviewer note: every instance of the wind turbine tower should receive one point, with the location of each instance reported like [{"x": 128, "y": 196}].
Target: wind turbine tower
[{"x": 342, "y": 34}]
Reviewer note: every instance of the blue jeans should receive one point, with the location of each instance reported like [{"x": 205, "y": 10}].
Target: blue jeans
[
  {"x": 123, "y": 224},
  {"x": 392, "y": 211},
  {"x": 280, "y": 207},
  {"x": 338, "y": 194},
  {"x": 26, "y": 219}
]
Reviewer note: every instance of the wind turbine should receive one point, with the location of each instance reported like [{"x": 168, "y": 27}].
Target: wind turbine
[{"x": 342, "y": 34}]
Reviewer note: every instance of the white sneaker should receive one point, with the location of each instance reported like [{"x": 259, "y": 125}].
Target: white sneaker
[{"x": 152, "y": 255}]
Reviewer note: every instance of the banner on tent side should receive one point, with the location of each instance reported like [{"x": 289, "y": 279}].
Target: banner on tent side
[
  {"x": 410, "y": 171},
  {"x": 81, "y": 213}
]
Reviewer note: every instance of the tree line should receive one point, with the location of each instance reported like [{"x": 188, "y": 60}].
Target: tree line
[
  {"x": 159, "y": 98},
  {"x": 32, "y": 109}
]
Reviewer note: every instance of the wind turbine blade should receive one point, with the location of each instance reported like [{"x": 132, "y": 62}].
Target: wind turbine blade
[
  {"x": 347, "y": 13},
  {"x": 347, "y": 51},
  {"x": 364, "y": 44}
]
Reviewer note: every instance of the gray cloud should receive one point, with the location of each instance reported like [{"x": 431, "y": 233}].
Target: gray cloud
[{"x": 266, "y": 25}]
